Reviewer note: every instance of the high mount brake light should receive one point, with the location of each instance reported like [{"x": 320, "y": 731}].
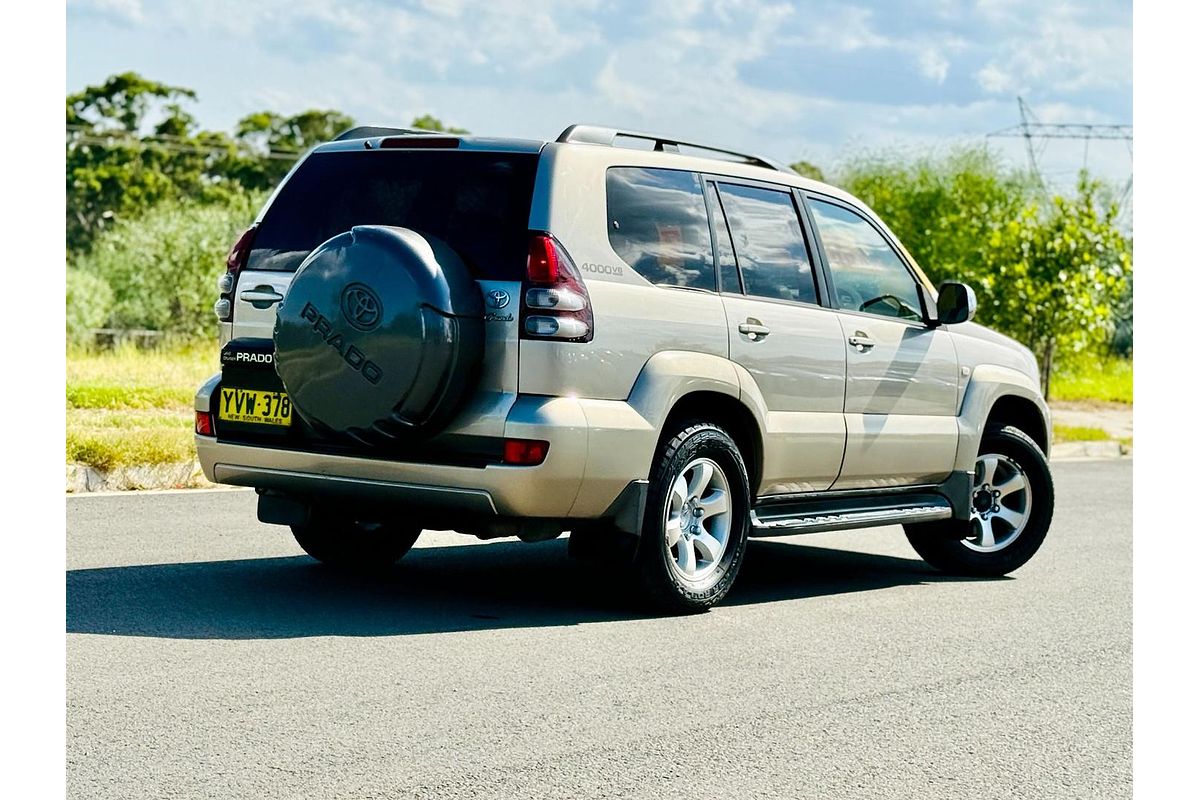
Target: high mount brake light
[
  {"x": 555, "y": 302},
  {"x": 419, "y": 142}
]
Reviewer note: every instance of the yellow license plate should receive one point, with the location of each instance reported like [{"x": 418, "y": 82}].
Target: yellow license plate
[{"x": 252, "y": 405}]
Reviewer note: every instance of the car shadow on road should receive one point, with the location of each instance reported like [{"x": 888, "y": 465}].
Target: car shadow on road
[{"x": 435, "y": 589}]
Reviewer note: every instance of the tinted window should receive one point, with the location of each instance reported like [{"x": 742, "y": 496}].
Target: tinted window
[
  {"x": 478, "y": 203},
  {"x": 769, "y": 243},
  {"x": 657, "y": 224},
  {"x": 726, "y": 260},
  {"x": 867, "y": 274}
]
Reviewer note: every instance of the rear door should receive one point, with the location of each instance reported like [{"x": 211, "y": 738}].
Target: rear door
[
  {"x": 791, "y": 347},
  {"x": 901, "y": 373},
  {"x": 255, "y": 299},
  {"x": 476, "y": 200}
]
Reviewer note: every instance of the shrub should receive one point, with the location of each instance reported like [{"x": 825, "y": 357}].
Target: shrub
[
  {"x": 162, "y": 265},
  {"x": 89, "y": 303}
]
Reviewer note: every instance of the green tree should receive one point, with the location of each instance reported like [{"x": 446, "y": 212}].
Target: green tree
[
  {"x": 1055, "y": 278},
  {"x": 809, "y": 170},
  {"x": 428, "y": 122},
  {"x": 130, "y": 145},
  {"x": 1051, "y": 274},
  {"x": 273, "y": 142}
]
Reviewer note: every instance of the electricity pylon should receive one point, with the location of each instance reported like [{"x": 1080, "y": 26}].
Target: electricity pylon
[{"x": 1038, "y": 134}]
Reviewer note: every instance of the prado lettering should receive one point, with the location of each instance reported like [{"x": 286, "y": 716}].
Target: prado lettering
[{"x": 349, "y": 353}]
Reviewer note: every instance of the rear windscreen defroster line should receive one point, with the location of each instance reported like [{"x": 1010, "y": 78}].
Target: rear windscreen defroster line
[{"x": 476, "y": 202}]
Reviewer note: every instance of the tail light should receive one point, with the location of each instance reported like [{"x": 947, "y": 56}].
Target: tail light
[
  {"x": 554, "y": 302},
  {"x": 235, "y": 262},
  {"x": 204, "y": 424}
]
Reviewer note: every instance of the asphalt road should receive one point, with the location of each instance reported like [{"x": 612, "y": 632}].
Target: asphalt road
[{"x": 207, "y": 658}]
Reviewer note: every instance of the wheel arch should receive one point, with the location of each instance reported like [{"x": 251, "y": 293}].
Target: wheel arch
[
  {"x": 998, "y": 395},
  {"x": 727, "y": 412},
  {"x": 1020, "y": 413}
]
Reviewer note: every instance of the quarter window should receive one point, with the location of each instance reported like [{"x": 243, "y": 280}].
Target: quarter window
[
  {"x": 727, "y": 261},
  {"x": 658, "y": 224},
  {"x": 867, "y": 274},
  {"x": 769, "y": 243}
]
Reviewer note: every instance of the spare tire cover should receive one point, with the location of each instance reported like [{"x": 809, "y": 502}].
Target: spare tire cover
[{"x": 380, "y": 334}]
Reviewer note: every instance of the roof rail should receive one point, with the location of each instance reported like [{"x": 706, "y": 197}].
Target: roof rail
[
  {"x": 371, "y": 131},
  {"x": 593, "y": 134}
]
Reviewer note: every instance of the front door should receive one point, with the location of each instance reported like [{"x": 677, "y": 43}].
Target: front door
[
  {"x": 901, "y": 373},
  {"x": 790, "y": 346}
]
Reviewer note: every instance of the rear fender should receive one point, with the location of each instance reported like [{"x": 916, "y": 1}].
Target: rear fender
[{"x": 622, "y": 435}]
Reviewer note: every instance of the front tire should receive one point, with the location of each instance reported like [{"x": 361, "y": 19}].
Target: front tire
[
  {"x": 697, "y": 520},
  {"x": 341, "y": 540},
  {"x": 1012, "y": 502}
]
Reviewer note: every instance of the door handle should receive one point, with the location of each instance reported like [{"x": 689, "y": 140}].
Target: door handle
[
  {"x": 261, "y": 297},
  {"x": 754, "y": 329},
  {"x": 861, "y": 341}
]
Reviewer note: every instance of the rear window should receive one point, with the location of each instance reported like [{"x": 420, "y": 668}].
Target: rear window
[
  {"x": 658, "y": 224},
  {"x": 476, "y": 202}
]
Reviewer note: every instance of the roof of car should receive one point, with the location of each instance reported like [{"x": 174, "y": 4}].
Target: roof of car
[{"x": 375, "y": 137}]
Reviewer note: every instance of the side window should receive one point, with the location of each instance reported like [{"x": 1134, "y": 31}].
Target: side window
[
  {"x": 658, "y": 225},
  {"x": 867, "y": 274},
  {"x": 769, "y": 243},
  {"x": 726, "y": 260}
]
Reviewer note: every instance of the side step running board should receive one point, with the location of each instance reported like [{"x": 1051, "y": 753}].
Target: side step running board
[{"x": 780, "y": 522}]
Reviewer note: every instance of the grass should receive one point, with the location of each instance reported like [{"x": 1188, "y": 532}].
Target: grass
[
  {"x": 131, "y": 407},
  {"x": 1079, "y": 433},
  {"x": 1108, "y": 380}
]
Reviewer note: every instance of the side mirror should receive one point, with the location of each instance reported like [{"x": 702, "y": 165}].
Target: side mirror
[{"x": 955, "y": 303}]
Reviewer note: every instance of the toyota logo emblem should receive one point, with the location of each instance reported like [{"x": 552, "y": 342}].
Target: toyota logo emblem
[
  {"x": 361, "y": 307},
  {"x": 497, "y": 298}
]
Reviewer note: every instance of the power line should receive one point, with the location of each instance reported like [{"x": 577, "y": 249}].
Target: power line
[
  {"x": 80, "y": 134},
  {"x": 1073, "y": 130},
  {"x": 1038, "y": 134}
]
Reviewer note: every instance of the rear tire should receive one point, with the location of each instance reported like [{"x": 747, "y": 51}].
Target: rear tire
[
  {"x": 340, "y": 540},
  {"x": 697, "y": 521},
  {"x": 1012, "y": 504}
]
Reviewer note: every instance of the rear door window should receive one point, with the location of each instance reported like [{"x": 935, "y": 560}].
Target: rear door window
[
  {"x": 658, "y": 225},
  {"x": 476, "y": 202},
  {"x": 769, "y": 243}
]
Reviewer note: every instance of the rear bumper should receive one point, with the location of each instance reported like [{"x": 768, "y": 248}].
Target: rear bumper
[{"x": 597, "y": 448}]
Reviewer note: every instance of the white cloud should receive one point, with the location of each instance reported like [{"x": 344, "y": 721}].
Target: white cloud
[
  {"x": 694, "y": 68},
  {"x": 933, "y": 65},
  {"x": 992, "y": 78},
  {"x": 1056, "y": 47},
  {"x": 842, "y": 28}
]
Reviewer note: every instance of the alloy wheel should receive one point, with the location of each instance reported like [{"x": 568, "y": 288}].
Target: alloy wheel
[
  {"x": 1000, "y": 503},
  {"x": 698, "y": 520}
]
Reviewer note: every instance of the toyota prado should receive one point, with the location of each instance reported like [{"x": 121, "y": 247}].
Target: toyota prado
[{"x": 661, "y": 347}]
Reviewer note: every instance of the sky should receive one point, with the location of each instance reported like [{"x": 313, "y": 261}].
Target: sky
[{"x": 818, "y": 80}]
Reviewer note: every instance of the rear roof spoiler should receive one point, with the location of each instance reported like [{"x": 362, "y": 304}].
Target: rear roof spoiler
[{"x": 372, "y": 131}]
